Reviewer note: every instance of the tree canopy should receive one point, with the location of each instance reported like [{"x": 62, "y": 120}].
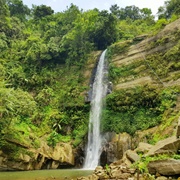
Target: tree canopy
[
  {"x": 170, "y": 7},
  {"x": 43, "y": 55}
]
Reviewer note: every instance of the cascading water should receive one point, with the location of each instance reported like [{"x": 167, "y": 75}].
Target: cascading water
[{"x": 99, "y": 90}]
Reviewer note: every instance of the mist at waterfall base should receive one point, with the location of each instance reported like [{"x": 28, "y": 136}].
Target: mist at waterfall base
[{"x": 99, "y": 91}]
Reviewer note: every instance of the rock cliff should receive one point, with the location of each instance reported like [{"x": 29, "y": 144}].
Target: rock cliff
[
  {"x": 45, "y": 157},
  {"x": 138, "y": 58}
]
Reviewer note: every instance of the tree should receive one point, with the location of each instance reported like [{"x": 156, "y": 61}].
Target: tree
[
  {"x": 18, "y": 9},
  {"x": 3, "y": 43},
  {"x": 105, "y": 31},
  {"x": 161, "y": 12},
  {"x": 132, "y": 12},
  {"x": 42, "y": 11},
  {"x": 115, "y": 10},
  {"x": 76, "y": 42},
  {"x": 4, "y": 16},
  {"x": 146, "y": 13},
  {"x": 170, "y": 7}
]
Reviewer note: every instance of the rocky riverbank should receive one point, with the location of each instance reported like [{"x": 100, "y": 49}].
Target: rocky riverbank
[
  {"x": 44, "y": 157},
  {"x": 159, "y": 161}
]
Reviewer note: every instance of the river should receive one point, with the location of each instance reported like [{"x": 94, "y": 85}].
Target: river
[{"x": 67, "y": 174}]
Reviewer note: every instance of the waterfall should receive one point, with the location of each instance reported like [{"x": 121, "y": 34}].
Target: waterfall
[{"x": 99, "y": 90}]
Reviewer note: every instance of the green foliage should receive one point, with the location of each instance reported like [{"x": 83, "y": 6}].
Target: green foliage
[
  {"x": 3, "y": 42},
  {"x": 161, "y": 23},
  {"x": 4, "y": 16},
  {"x": 108, "y": 170},
  {"x": 79, "y": 133},
  {"x": 169, "y": 60},
  {"x": 137, "y": 109},
  {"x": 118, "y": 48},
  {"x": 18, "y": 9},
  {"x": 14, "y": 102},
  {"x": 42, "y": 61},
  {"x": 42, "y": 11},
  {"x": 170, "y": 8},
  {"x": 131, "y": 12},
  {"x": 115, "y": 73},
  {"x": 168, "y": 98},
  {"x": 106, "y": 31},
  {"x": 142, "y": 164},
  {"x": 55, "y": 138}
]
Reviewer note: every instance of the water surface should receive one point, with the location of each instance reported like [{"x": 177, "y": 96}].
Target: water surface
[{"x": 60, "y": 174}]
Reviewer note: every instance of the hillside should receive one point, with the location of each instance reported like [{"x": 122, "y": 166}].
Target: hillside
[
  {"x": 47, "y": 63},
  {"x": 146, "y": 83},
  {"x": 143, "y": 110},
  {"x": 140, "y": 53}
]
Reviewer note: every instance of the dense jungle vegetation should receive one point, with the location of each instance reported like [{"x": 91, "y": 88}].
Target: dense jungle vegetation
[{"x": 42, "y": 61}]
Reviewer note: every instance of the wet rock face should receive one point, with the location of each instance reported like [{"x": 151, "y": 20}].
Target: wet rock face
[
  {"x": 115, "y": 148},
  {"x": 44, "y": 157}
]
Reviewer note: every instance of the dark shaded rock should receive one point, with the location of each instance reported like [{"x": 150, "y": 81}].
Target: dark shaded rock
[
  {"x": 109, "y": 153},
  {"x": 168, "y": 167},
  {"x": 178, "y": 129},
  {"x": 114, "y": 150},
  {"x": 140, "y": 38}
]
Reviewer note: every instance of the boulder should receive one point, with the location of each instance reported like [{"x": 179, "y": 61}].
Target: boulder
[
  {"x": 143, "y": 147},
  {"x": 162, "y": 178},
  {"x": 98, "y": 169},
  {"x": 90, "y": 177},
  {"x": 178, "y": 129},
  {"x": 169, "y": 167},
  {"x": 101, "y": 173},
  {"x": 109, "y": 153},
  {"x": 114, "y": 150},
  {"x": 166, "y": 146},
  {"x": 123, "y": 144},
  {"x": 119, "y": 175},
  {"x": 63, "y": 153},
  {"x": 127, "y": 161},
  {"x": 132, "y": 156},
  {"x": 116, "y": 173},
  {"x": 142, "y": 136}
]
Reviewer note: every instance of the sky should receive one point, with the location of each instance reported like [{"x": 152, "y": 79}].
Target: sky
[{"x": 60, "y": 5}]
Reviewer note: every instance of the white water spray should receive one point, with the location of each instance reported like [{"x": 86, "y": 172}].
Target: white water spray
[{"x": 94, "y": 137}]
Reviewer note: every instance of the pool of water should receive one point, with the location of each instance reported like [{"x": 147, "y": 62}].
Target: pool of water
[{"x": 60, "y": 174}]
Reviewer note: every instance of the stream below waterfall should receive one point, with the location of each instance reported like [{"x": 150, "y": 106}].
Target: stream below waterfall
[{"x": 60, "y": 174}]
